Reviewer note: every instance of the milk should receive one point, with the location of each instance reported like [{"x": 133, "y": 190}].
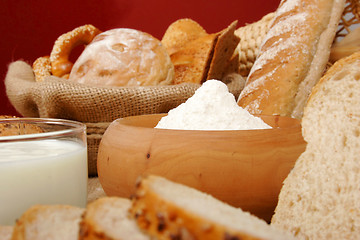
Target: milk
[{"x": 41, "y": 172}]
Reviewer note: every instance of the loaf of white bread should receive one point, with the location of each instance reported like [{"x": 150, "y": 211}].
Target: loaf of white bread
[
  {"x": 320, "y": 196},
  {"x": 292, "y": 58}
]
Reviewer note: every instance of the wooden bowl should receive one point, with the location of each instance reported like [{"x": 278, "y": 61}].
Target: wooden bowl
[{"x": 244, "y": 168}]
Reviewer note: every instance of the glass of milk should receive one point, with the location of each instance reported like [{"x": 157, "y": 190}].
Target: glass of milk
[{"x": 45, "y": 162}]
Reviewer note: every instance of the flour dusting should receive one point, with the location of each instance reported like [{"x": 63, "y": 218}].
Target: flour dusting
[{"x": 212, "y": 107}]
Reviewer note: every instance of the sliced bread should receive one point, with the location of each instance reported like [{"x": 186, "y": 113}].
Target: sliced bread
[
  {"x": 168, "y": 210},
  {"x": 6, "y": 232},
  {"x": 108, "y": 218},
  {"x": 320, "y": 196},
  {"x": 48, "y": 222}
]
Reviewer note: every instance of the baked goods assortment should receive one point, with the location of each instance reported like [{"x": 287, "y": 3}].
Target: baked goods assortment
[
  {"x": 128, "y": 57},
  {"x": 58, "y": 63},
  {"x": 291, "y": 76}
]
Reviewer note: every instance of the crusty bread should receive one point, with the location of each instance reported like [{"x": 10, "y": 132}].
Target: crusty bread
[
  {"x": 123, "y": 57},
  {"x": 169, "y": 210},
  {"x": 223, "y": 52},
  {"x": 6, "y": 232},
  {"x": 198, "y": 56},
  {"x": 292, "y": 58},
  {"x": 320, "y": 196},
  {"x": 48, "y": 222},
  {"x": 107, "y": 218},
  {"x": 181, "y": 32},
  {"x": 191, "y": 62}
]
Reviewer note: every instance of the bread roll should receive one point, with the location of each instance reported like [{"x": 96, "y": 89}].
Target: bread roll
[
  {"x": 320, "y": 196},
  {"x": 292, "y": 58},
  {"x": 123, "y": 57},
  {"x": 168, "y": 210}
]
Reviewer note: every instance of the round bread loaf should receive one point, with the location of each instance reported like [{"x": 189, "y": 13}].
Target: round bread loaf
[{"x": 123, "y": 57}]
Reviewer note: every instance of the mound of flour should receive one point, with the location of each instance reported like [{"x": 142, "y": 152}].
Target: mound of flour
[{"x": 212, "y": 107}]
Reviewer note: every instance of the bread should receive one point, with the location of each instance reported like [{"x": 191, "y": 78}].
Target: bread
[
  {"x": 48, "y": 222},
  {"x": 123, "y": 57},
  {"x": 192, "y": 61},
  {"x": 181, "y": 32},
  {"x": 17, "y": 127},
  {"x": 223, "y": 52},
  {"x": 320, "y": 196},
  {"x": 292, "y": 58},
  {"x": 168, "y": 210},
  {"x": 107, "y": 218},
  {"x": 6, "y": 232},
  {"x": 347, "y": 46},
  {"x": 198, "y": 56}
]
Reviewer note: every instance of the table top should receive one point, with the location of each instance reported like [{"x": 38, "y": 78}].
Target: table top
[{"x": 95, "y": 190}]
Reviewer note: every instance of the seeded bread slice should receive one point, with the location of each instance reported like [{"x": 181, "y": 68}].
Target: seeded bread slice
[
  {"x": 108, "y": 218},
  {"x": 48, "y": 222},
  {"x": 6, "y": 232},
  {"x": 169, "y": 210}
]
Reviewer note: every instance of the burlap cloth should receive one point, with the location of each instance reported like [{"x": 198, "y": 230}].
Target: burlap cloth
[{"x": 97, "y": 107}]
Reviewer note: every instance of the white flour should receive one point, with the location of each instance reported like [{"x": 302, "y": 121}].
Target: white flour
[{"x": 212, "y": 107}]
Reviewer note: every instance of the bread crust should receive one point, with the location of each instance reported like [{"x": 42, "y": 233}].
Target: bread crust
[
  {"x": 123, "y": 57},
  {"x": 292, "y": 57}
]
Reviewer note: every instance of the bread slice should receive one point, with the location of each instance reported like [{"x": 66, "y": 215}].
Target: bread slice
[
  {"x": 169, "y": 210},
  {"x": 320, "y": 196},
  {"x": 107, "y": 218},
  {"x": 48, "y": 222},
  {"x": 6, "y": 232},
  {"x": 191, "y": 63}
]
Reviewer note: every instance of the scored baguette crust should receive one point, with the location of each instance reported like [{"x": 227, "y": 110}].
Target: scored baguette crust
[
  {"x": 166, "y": 217},
  {"x": 292, "y": 58}
]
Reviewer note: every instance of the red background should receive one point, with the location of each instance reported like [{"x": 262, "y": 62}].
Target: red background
[{"x": 28, "y": 28}]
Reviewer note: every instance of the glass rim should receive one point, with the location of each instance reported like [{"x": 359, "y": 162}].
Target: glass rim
[{"x": 74, "y": 128}]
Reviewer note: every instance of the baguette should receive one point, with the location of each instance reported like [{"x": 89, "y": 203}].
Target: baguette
[
  {"x": 320, "y": 196},
  {"x": 292, "y": 58},
  {"x": 48, "y": 222},
  {"x": 107, "y": 218},
  {"x": 168, "y": 210}
]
